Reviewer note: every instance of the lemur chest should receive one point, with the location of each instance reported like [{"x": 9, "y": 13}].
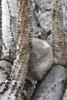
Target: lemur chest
[{"x": 41, "y": 58}]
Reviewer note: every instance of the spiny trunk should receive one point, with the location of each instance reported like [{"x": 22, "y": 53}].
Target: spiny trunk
[
  {"x": 8, "y": 47},
  {"x": 0, "y": 27},
  {"x": 64, "y": 97},
  {"x": 23, "y": 45},
  {"x": 58, "y": 33},
  {"x": 13, "y": 86},
  {"x": 65, "y": 23}
]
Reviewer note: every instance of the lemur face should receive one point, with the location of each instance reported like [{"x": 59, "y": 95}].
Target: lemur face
[{"x": 42, "y": 34}]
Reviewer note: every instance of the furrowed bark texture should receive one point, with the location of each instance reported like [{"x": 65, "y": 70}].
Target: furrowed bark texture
[
  {"x": 11, "y": 89},
  {"x": 58, "y": 33},
  {"x": 0, "y": 27}
]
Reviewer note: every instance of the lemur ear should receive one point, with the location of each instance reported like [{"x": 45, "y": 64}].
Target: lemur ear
[{"x": 49, "y": 32}]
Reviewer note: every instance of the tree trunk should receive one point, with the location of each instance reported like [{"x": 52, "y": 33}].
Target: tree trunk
[
  {"x": 65, "y": 23},
  {"x": 12, "y": 86},
  {"x": 65, "y": 30},
  {"x": 58, "y": 33},
  {"x": 9, "y": 29},
  {"x": 0, "y": 27}
]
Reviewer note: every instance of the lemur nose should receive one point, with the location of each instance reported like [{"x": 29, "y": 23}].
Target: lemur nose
[{"x": 39, "y": 36}]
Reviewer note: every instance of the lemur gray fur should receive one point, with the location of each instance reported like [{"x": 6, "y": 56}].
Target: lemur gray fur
[{"x": 41, "y": 55}]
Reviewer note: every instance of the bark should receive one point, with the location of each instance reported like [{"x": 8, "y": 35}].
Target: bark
[
  {"x": 52, "y": 86},
  {"x": 12, "y": 87},
  {"x": 58, "y": 33},
  {"x": 65, "y": 95},
  {"x": 23, "y": 49},
  {"x": 9, "y": 30},
  {"x": 65, "y": 23},
  {"x": 0, "y": 27},
  {"x": 44, "y": 10}
]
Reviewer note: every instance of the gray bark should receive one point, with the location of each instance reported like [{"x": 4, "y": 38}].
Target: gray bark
[
  {"x": 51, "y": 88},
  {"x": 43, "y": 13},
  {"x": 9, "y": 29},
  {"x": 0, "y": 28}
]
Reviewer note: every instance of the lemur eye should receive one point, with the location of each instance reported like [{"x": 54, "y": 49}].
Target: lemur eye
[
  {"x": 43, "y": 33},
  {"x": 36, "y": 32}
]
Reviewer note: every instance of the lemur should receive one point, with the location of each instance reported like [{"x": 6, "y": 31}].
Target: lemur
[
  {"x": 41, "y": 33},
  {"x": 41, "y": 58}
]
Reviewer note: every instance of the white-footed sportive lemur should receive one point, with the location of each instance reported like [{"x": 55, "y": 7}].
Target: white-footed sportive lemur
[{"x": 41, "y": 58}]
